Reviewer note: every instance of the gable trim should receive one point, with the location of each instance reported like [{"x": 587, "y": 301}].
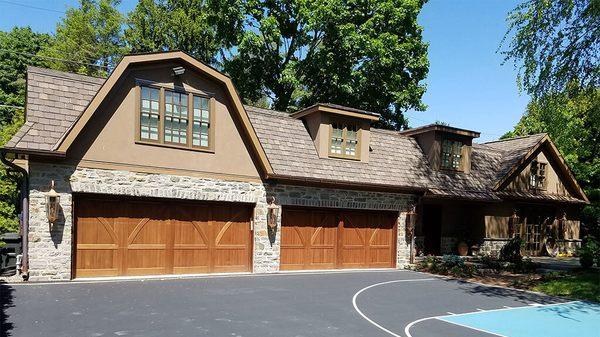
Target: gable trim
[
  {"x": 504, "y": 181},
  {"x": 69, "y": 137}
]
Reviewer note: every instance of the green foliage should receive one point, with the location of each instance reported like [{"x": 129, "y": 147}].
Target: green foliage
[
  {"x": 589, "y": 252},
  {"x": 18, "y": 49},
  {"x": 580, "y": 285},
  {"x": 89, "y": 39},
  {"x": 368, "y": 55},
  {"x": 205, "y": 29},
  {"x": 447, "y": 265},
  {"x": 555, "y": 43},
  {"x": 511, "y": 251}
]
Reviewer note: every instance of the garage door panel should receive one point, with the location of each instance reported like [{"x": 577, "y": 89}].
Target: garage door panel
[
  {"x": 154, "y": 238},
  {"x": 322, "y": 239}
]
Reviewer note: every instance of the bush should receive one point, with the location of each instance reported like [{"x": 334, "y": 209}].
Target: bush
[
  {"x": 511, "y": 251},
  {"x": 452, "y": 261},
  {"x": 447, "y": 265},
  {"x": 589, "y": 253}
]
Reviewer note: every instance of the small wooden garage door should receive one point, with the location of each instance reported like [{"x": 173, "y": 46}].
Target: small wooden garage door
[
  {"x": 125, "y": 237},
  {"x": 337, "y": 239}
]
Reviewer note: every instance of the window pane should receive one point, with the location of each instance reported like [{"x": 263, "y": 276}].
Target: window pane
[
  {"x": 337, "y": 139},
  {"x": 201, "y": 123},
  {"x": 149, "y": 114},
  {"x": 451, "y": 154},
  {"x": 176, "y": 117}
]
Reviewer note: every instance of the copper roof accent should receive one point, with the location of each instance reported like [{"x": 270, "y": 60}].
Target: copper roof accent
[{"x": 440, "y": 127}]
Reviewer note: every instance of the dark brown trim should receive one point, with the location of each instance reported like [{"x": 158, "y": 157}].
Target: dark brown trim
[
  {"x": 43, "y": 153},
  {"x": 314, "y": 182}
]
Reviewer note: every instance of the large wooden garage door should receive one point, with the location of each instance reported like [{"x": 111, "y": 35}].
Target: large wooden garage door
[
  {"x": 124, "y": 237},
  {"x": 330, "y": 239}
]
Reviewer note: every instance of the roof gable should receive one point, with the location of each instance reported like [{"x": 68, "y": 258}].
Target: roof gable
[{"x": 71, "y": 134}]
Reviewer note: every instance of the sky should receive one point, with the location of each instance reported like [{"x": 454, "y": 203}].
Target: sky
[{"x": 467, "y": 86}]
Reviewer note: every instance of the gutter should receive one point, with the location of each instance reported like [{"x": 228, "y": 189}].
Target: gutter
[{"x": 24, "y": 212}]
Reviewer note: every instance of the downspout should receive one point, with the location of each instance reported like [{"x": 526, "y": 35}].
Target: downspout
[{"x": 24, "y": 212}]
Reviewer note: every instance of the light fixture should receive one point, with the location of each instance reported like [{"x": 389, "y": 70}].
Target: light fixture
[
  {"x": 272, "y": 216},
  {"x": 178, "y": 71},
  {"x": 512, "y": 224},
  {"x": 52, "y": 204}
]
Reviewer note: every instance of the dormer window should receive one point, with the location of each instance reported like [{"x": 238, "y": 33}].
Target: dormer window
[
  {"x": 451, "y": 154},
  {"x": 175, "y": 118},
  {"x": 537, "y": 175},
  {"x": 344, "y": 140}
]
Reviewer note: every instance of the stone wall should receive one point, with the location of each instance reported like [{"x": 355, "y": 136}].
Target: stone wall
[{"x": 50, "y": 248}]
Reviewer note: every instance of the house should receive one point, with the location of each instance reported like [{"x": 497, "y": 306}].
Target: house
[{"x": 160, "y": 169}]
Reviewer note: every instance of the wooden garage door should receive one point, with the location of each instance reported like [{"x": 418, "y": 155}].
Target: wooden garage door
[
  {"x": 120, "y": 237},
  {"x": 330, "y": 239}
]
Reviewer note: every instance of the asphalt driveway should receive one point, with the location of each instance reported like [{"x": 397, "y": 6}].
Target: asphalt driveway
[{"x": 375, "y": 303}]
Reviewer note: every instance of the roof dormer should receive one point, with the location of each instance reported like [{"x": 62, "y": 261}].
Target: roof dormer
[
  {"x": 446, "y": 147},
  {"x": 338, "y": 131}
]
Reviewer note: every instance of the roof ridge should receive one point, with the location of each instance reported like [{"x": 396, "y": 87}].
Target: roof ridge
[
  {"x": 66, "y": 75},
  {"x": 514, "y": 138}
]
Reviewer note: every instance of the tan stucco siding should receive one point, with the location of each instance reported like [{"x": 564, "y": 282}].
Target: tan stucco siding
[
  {"x": 554, "y": 184},
  {"x": 110, "y": 138}
]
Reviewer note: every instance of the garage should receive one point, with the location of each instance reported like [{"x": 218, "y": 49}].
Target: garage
[
  {"x": 121, "y": 237},
  {"x": 337, "y": 239}
]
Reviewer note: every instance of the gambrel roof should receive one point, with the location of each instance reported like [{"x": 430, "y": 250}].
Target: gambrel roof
[{"x": 59, "y": 104}]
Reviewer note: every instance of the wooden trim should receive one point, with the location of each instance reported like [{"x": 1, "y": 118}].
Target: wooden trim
[
  {"x": 343, "y": 155},
  {"x": 319, "y": 108},
  {"x": 172, "y": 87},
  {"x": 69, "y": 137}
]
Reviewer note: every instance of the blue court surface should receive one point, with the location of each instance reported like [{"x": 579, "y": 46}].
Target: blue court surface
[{"x": 580, "y": 319}]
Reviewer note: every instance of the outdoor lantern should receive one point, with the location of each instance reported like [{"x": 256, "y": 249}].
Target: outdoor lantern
[
  {"x": 411, "y": 219},
  {"x": 512, "y": 223},
  {"x": 272, "y": 215},
  {"x": 52, "y": 204},
  {"x": 561, "y": 225}
]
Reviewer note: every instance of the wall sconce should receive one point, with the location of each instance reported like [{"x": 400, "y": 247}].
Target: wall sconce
[
  {"x": 411, "y": 220},
  {"x": 513, "y": 220},
  {"x": 272, "y": 216},
  {"x": 52, "y": 204}
]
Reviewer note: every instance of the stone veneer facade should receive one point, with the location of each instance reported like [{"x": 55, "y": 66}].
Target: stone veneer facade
[{"x": 50, "y": 248}]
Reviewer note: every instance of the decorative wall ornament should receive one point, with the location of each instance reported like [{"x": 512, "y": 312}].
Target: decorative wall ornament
[
  {"x": 272, "y": 217},
  {"x": 513, "y": 220}
]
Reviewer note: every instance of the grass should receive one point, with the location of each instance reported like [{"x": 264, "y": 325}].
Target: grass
[{"x": 581, "y": 285}]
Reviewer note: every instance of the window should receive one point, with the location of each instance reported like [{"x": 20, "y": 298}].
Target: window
[
  {"x": 201, "y": 122},
  {"x": 150, "y": 114},
  {"x": 451, "y": 154},
  {"x": 537, "y": 175},
  {"x": 344, "y": 140},
  {"x": 174, "y": 118}
]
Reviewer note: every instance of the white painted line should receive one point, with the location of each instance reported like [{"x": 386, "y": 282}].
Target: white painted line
[
  {"x": 375, "y": 285},
  {"x": 469, "y": 327},
  {"x": 479, "y": 309},
  {"x": 450, "y": 313},
  {"x": 534, "y": 304},
  {"x": 506, "y": 306},
  {"x": 441, "y": 318}
]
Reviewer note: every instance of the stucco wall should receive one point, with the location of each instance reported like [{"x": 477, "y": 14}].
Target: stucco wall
[{"x": 50, "y": 248}]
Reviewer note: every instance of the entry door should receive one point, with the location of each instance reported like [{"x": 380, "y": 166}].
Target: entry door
[{"x": 432, "y": 229}]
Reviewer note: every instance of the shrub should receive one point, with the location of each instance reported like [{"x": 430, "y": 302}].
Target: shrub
[
  {"x": 451, "y": 261},
  {"x": 589, "y": 253},
  {"x": 511, "y": 251}
]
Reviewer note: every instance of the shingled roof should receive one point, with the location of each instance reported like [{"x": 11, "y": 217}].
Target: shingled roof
[{"x": 55, "y": 100}]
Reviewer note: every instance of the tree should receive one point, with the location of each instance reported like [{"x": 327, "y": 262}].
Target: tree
[
  {"x": 368, "y": 55},
  {"x": 555, "y": 43},
  {"x": 202, "y": 28},
  {"x": 89, "y": 39},
  {"x": 18, "y": 49}
]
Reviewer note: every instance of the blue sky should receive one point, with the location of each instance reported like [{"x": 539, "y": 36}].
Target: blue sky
[{"x": 467, "y": 85}]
